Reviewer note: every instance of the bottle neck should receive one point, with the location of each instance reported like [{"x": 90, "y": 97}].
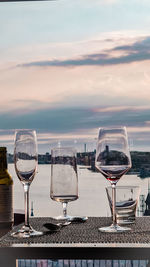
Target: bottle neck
[{"x": 3, "y": 161}]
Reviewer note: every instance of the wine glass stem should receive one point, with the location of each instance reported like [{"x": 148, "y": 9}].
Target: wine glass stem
[
  {"x": 26, "y": 202},
  {"x": 65, "y": 209},
  {"x": 114, "y": 204}
]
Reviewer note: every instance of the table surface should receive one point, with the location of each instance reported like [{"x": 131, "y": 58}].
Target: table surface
[
  {"x": 78, "y": 241},
  {"x": 83, "y": 235}
]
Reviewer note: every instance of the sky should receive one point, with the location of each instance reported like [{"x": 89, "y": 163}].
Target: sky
[{"x": 68, "y": 67}]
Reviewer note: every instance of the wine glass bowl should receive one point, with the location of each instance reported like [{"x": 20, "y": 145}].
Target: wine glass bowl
[
  {"x": 25, "y": 156},
  {"x": 25, "y": 161},
  {"x": 113, "y": 161}
]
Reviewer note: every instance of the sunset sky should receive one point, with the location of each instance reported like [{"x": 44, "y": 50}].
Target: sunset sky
[{"x": 68, "y": 67}]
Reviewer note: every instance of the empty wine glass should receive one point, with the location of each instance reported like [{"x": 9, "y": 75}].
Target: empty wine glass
[
  {"x": 64, "y": 178},
  {"x": 113, "y": 160},
  {"x": 25, "y": 160}
]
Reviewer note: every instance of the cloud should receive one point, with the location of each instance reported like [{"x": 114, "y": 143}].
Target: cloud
[
  {"x": 70, "y": 120},
  {"x": 102, "y": 43},
  {"x": 27, "y": 90},
  {"x": 53, "y": 125},
  {"x": 66, "y": 100},
  {"x": 138, "y": 51},
  {"x": 122, "y": 108}
]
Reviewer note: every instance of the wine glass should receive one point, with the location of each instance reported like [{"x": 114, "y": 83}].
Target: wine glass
[
  {"x": 64, "y": 178},
  {"x": 113, "y": 160},
  {"x": 25, "y": 160}
]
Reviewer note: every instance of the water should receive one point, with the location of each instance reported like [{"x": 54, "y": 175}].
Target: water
[
  {"x": 92, "y": 199},
  {"x": 125, "y": 212}
]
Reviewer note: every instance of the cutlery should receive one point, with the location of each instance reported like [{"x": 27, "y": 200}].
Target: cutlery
[{"x": 56, "y": 226}]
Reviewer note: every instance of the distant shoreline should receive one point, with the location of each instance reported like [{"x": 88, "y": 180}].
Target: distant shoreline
[{"x": 140, "y": 162}]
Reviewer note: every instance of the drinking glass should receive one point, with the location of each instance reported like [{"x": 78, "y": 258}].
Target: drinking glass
[
  {"x": 25, "y": 160},
  {"x": 64, "y": 178},
  {"x": 126, "y": 203},
  {"x": 113, "y": 160}
]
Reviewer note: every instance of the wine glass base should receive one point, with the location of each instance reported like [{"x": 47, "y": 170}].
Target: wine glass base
[
  {"x": 78, "y": 218},
  {"x": 72, "y": 218},
  {"x": 114, "y": 229},
  {"x": 26, "y": 232},
  {"x": 62, "y": 218}
]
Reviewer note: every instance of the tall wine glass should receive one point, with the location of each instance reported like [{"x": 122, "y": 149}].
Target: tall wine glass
[
  {"x": 64, "y": 178},
  {"x": 113, "y": 160},
  {"x": 25, "y": 160}
]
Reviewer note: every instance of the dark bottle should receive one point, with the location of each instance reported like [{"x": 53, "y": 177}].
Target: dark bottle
[{"x": 6, "y": 192}]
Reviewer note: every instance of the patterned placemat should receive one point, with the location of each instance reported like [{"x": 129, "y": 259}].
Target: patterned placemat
[{"x": 86, "y": 232}]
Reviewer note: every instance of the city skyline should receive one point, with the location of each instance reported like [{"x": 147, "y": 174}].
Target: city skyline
[{"x": 69, "y": 67}]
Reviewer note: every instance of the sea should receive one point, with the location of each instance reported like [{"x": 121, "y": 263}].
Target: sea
[{"x": 92, "y": 199}]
